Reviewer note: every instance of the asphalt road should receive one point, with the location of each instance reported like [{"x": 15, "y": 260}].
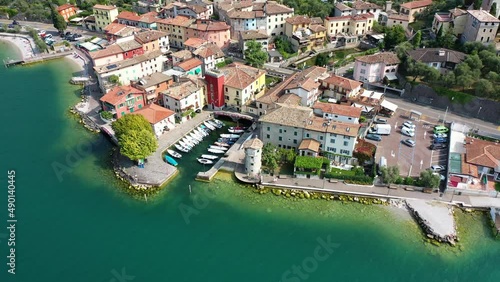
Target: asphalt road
[{"x": 50, "y": 28}]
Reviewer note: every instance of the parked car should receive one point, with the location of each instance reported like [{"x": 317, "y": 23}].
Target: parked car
[
  {"x": 437, "y": 146},
  {"x": 437, "y": 168},
  {"x": 374, "y": 137},
  {"x": 372, "y": 130},
  {"x": 441, "y": 177},
  {"x": 409, "y": 142},
  {"x": 409, "y": 124},
  {"x": 440, "y": 140},
  {"x": 407, "y": 131},
  {"x": 41, "y": 32},
  {"x": 440, "y": 129},
  {"x": 440, "y": 135},
  {"x": 380, "y": 120}
]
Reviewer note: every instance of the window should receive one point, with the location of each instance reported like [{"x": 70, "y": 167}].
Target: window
[
  {"x": 281, "y": 130},
  {"x": 121, "y": 105},
  {"x": 332, "y": 141},
  {"x": 346, "y": 143},
  {"x": 363, "y": 64},
  {"x": 268, "y": 128},
  {"x": 294, "y": 141},
  {"x": 280, "y": 138},
  {"x": 227, "y": 97},
  {"x": 268, "y": 136},
  {"x": 321, "y": 138},
  {"x": 295, "y": 133},
  {"x": 363, "y": 71},
  {"x": 307, "y": 135}
]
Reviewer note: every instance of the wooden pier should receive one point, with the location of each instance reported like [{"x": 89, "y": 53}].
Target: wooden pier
[{"x": 37, "y": 59}]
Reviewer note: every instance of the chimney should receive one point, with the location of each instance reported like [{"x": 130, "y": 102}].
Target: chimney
[{"x": 388, "y": 6}]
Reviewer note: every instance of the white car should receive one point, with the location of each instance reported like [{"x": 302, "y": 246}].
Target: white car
[
  {"x": 440, "y": 135},
  {"x": 407, "y": 131},
  {"x": 437, "y": 168},
  {"x": 409, "y": 124}
]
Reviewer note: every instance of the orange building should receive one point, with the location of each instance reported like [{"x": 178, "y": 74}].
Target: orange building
[{"x": 66, "y": 11}]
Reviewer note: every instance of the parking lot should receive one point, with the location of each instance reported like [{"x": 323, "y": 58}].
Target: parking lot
[{"x": 411, "y": 160}]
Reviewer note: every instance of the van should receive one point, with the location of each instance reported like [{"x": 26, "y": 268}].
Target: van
[
  {"x": 407, "y": 131},
  {"x": 440, "y": 140},
  {"x": 440, "y": 129}
]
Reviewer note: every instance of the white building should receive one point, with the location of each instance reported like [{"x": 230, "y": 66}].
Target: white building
[
  {"x": 253, "y": 156},
  {"x": 337, "y": 112},
  {"x": 161, "y": 119},
  {"x": 480, "y": 26},
  {"x": 185, "y": 96},
  {"x": 306, "y": 85},
  {"x": 276, "y": 16},
  {"x": 358, "y": 8},
  {"x": 287, "y": 125}
]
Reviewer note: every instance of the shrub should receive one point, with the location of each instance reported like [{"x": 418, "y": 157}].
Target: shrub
[
  {"x": 106, "y": 115},
  {"x": 399, "y": 180},
  {"x": 355, "y": 179},
  {"x": 409, "y": 181}
]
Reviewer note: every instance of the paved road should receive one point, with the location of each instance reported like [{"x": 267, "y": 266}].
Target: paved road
[{"x": 50, "y": 28}]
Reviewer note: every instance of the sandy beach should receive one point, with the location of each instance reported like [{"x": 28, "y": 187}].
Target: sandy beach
[{"x": 23, "y": 44}]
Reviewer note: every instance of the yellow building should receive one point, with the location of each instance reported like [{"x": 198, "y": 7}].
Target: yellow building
[
  {"x": 349, "y": 25},
  {"x": 104, "y": 15},
  {"x": 242, "y": 85},
  {"x": 304, "y": 34},
  {"x": 177, "y": 28}
]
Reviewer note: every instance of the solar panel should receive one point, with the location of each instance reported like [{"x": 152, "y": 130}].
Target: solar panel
[{"x": 111, "y": 66}]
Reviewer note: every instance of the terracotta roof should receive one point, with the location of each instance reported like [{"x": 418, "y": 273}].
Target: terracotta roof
[
  {"x": 128, "y": 62},
  {"x": 363, "y": 17},
  {"x": 152, "y": 80},
  {"x": 457, "y": 12},
  {"x": 114, "y": 28},
  {"x": 469, "y": 169},
  {"x": 275, "y": 8},
  {"x": 149, "y": 36},
  {"x": 182, "y": 54},
  {"x": 154, "y": 113},
  {"x": 209, "y": 25},
  {"x": 240, "y": 76},
  {"x": 317, "y": 20},
  {"x": 298, "y": 19},
  {"x": 430, "y": 55},
  {"x": 130, "y": 16},
  {"x": 254, "y": 143},
  {"x": 385, "y": 57},
  {"x": 336, "y": 109},
  {"x": 189, "y": 64},
  {"x": 177, "y": 21},
  {"x": 290, "y": 99},
  {"x": 119, "y": 94},
  {"x": 307, "y": 79},
  {"x": 340, "y": 18},
  {"x": 129, "y": 45},
  {"x": 483, "y": 153},
  {"x": 111, "y": 50},
  {"x": 416, "y": 4},
  {"x": 309, "y": 144},
  {"x": 243, "y": 14},
  {"x": 253, "y": 34},
  {"x": 398, "y": 17},
  {"x": 148, "y": 17},
  {"x": 64, "y": 7},
  {"x": 273, "y": 95},
  {"x": 342, "y": 7},
  {"x": 302, "y": 117},
  {"x": 203, "y": 52},
  {"x": 483, "y": 16},
  {"x": 317, "y": 28},
  {"x": 343, "y": 82},
  {"x": 361, "y": 5},
  {"x": 195, "y": 42},
  {"x": 197, "y": 9},
  {"x": 104, "y": 7},
  {"x": 215, "y": 49},
  {"x": 184, "y": 88}
]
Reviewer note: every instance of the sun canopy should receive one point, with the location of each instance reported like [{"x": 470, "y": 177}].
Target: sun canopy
[
  {"x": 391, "y": 76},
  {"x": 364, "y": 108},
  {"x": 388, "y": 105}
]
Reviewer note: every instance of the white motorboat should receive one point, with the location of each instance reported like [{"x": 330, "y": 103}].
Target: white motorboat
[
  {"x": 191, "y": 139},
  {"x": 181, "y": 148},
  {"x": 201, "y": 131},
  {"x": 230, "y": 136},
  {"x": 222, "y": 144},
  {"x": 210, "y": 126},
  {"x": 218, "y": 148},
  {"x": 237, "y": 127},
  {"x": 209, "y": 157},
  {"x": 218, "y": 122},
  {"x": 188, "y": 143},
  {"x": 183, "y": 144},
  {"x": 236, "y": 130},
  {"x": 205, "y": 161},
  {"x": 215, "y": 151},
  {"x": 214, "y": 124},
  {"x": 174, "y": 154},
  {"x": 196, "y": 137},
  {"x": 198, "y": 134}
]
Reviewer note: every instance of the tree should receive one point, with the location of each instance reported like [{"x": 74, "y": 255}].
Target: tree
[
  {"x": 417, "y": 69},
  {"x": 378, "y": 28},
  {"x": 429, "y": 180},
  {"x": 322, "y": 59},
  {"x": 131, "y": 122},
  {"x": 254, "y": 55},
  {"x": 394, "y": 36},
  {"x": 484, "y": 88},
  {"x": 417, "y": 39},
  {"x": 431, "y": 74},
  {"x": 448, "y": 79},
  {"x": 389, "y": 174},
  {"x": 477, "y": 4},
  {"x": 57, "y": 20},
  {"x": 402, "y": 50},
  {"x": 446, "y": 40},
  {"x": 493, "y": 9},
  {"x": 474, "y": 62},
  {"x": 270, "y": 156},
  {"x": 137, "y": 144}
]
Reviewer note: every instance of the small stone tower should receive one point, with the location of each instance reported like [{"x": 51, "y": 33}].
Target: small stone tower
[{"x": 253, "y": 156}]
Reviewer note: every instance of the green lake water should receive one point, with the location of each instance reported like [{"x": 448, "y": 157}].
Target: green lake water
[{"x": 81, "y": 226}]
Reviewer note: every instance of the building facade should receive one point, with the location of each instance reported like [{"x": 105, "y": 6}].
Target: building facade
[
  {"x": 214, "y": 31},
  {"x": 104, "y": 15},
  {"x": 66, "y": 11},
  {"x": 122, "y": 100},
  {"x": 414, "y": 7},
  {"x": 185, "y": 97},
  {"x": 480, "y": 26},
  {"x": 253, "y": 156},
  {"x": 373, "y": 68},
  {"x": 161, "y": 119}
]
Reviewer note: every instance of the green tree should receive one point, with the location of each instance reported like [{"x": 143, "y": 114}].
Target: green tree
[
  {"x": 428, "y": 179},
  {"x": 378, "y": 28},
  {"x": 389, "y": 174},
  {"x": 394, "y": 36},
  {"x": 484, "y": 88},
  {"x": 57, "y": 20},
  {"x": 402, "y": 50},
  {"x": 474, "y": 62},
  {"x": 447, "y": 40},
  {"x": 254, "y": 55},
  {"x": 417, "y": 39},
  {"x": 431, "y": 74},
  {"x": 477, "y": 4},
  {"x": 286, "y": 155},
  {"x": 131, "y": 122},
  {"x": 270, "y": 156},
  {"x": 137, "y": 144},
  {"x": 418, "y": 69},
  {"x": 448, "y": 79},
  {"x": 493, "y": 9},
  {"x": 321, "y": 59}
]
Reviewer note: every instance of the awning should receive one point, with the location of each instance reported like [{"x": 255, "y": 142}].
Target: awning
[
  {"x": 75, "y": 20},
  {"x": 391, "y": 76},
  {"x": 89, "y": 46},
  {"x": 388, "y": 105},
  {"x": 364, "y": 108}
]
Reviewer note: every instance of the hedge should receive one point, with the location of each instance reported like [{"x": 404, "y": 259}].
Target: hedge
[
  {"x": 357, "y": 179},
  {"x": 307, "y": 162}
]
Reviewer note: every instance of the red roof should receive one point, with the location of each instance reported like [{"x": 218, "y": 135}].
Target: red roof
[
  {"x": 336, "y": 109},
  {"x": 343, "y": 82},
  {"x": 65, "y": 7},
  {"x": 416, "y": 4},
  {"x": 126, "y": 15},
  {"x": 119, "y": 94},
  {"x": 189, "y": 64},
  {"x": 154, "y": 113},
  {"x": 483, "y": 153}
]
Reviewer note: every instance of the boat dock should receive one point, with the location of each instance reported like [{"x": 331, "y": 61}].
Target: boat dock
[
  {"x": 495, "y": 217},
  {"x": 37, "y": 59},
  {"x": 436, "y": 219}
]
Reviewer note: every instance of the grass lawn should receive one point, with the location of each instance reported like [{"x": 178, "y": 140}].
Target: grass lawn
[
  {"x": 458, "y": 97},
  {"x": 271, "y": 79},
  {"x": 339, "y": 171},
  {"x": 417, "y": 25}
]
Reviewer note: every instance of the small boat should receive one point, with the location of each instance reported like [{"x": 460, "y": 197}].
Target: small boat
[
  {"x": 191, "y": 139},
  {"x": 231, "y": 136},
  {"x": 205, "y": 128},
  {"x": 181, "y": 148},
  {"x": 183, "y": 144},
  {"x": 213, "y": 123},
  {"x": 187, "y": 143},
  {"x": 196, "y": 137},
  {"x": 209, "y": 157},
  {"x": 222, "y": 144},
  {"x": 218, "y": 148},
  {"x": 236, "y": 130},
  {"x": 197, "y": 133},
  {"x": 225, "y": 140},
  {"x": 201, "y": 131},
  {"x": 174, "y": 154},
  {"x": 170, "y": 160},
  {"x": 219, "y": 122},
  {"x": 205, "y": 161},
  {"x": 215, "y": 151},
  {"x": 207, "y": 124}
]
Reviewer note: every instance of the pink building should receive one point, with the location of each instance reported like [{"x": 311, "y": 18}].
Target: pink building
[
  {"x": 213, "y": 31},
  {"x": 374, "y": 68}
]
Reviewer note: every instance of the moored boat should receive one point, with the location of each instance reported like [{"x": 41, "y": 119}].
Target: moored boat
[
  {"x": 205, "y": 161},
  {"x": 231, "y": 136},
  {"x": 218, "y": 148},
  {"x": 174, "y": 154},
  {"x": 170, "y": 160},
  {"x": 218, "y": 122},
  {"x": 215, "y": 151},
  {"x": 222, "y": 144},
  {"x": 213, "y": 123},
  {"x": 188, "y": 143},
  {"x": 195, "y": 137},
  {"x": 191, "y": 139},
  {"x": 236, "y": 130},
  {"x": 183, "y": 144},
  {"x": 209, "y": 157},
  {"x": 226, "y": 140},
  {"x": 181, "y": 148},
  {"x": 207, "y": 124},
  {"x": 201, "y": 131}
]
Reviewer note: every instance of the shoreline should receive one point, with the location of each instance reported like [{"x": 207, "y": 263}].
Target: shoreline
[{"x": 21, "y": 43}]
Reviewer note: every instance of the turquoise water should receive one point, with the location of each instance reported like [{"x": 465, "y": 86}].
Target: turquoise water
[{"x": 81, "y": 226}]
